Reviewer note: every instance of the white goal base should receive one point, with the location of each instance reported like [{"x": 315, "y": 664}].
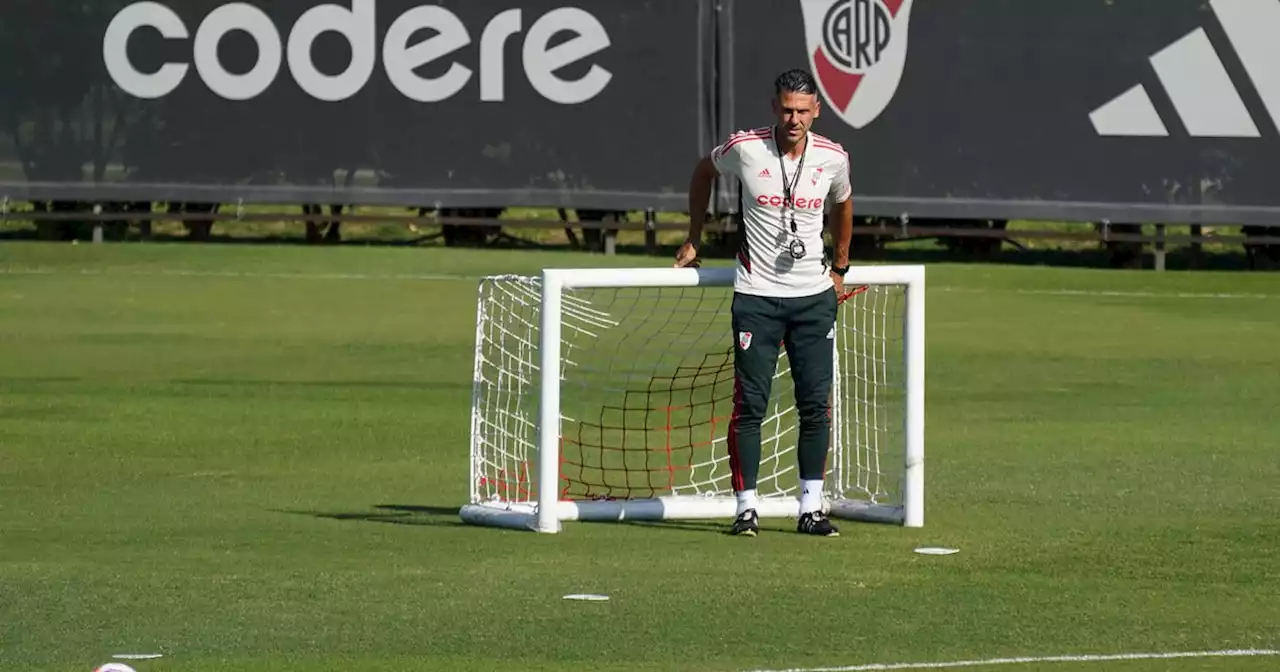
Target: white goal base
[{"x": 524, "y": 515}]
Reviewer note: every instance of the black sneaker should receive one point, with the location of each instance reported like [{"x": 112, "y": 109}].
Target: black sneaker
[
  {"x": 746, "y": 524},
  {"x": 816, "y": 523}
]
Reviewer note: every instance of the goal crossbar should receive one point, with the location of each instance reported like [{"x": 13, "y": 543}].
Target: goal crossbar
[{"x": 539, "y": 504}]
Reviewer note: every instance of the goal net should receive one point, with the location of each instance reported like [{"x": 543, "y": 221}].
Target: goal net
[{"x": 636, "y": 424}]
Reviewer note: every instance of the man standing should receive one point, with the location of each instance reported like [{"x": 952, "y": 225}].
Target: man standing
[{"x": 784, "y": 292}]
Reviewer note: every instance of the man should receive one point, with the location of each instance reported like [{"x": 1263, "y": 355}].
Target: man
[{"x": 784, "y": 293}]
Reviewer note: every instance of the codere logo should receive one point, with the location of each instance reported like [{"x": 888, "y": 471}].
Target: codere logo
[
  {"x": 400, "y": 57},
  {"x": 858, "y": 49}
]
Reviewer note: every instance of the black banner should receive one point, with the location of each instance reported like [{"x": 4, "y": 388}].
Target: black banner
[
  {"x": 482, "y": 102},
  {"x": 1128, "y": 110},
  {"x": 1134, "y": 110}
]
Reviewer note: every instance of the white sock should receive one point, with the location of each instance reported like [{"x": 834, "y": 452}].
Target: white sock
[
  {"x": 811, "y": 496},
  {"x": 747, "y": 499}
]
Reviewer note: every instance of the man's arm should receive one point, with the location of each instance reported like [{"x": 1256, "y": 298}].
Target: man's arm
[
  {"x": 700, "y": 185},
  {"x": 841, "y": 221},
  {"x": 842, "y": 233}
]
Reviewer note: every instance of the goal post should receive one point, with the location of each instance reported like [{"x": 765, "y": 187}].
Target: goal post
[{"x": 635, "y": 425}]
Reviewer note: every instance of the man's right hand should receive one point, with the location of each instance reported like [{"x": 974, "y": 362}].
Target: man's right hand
[{"x": 687, "y": 255}]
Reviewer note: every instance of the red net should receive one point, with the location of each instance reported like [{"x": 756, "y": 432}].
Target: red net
[
  {"x": 646, "y": 395},
  {"x": 648, "y": 444}
]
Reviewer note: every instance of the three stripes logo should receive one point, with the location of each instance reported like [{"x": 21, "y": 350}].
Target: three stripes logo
[{"x": 1197, "y": 83}]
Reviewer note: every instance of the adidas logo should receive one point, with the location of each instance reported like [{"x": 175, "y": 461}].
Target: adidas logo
[
  {"x": 1197, "y": 83},
  {"x": 765, "y": 174}
]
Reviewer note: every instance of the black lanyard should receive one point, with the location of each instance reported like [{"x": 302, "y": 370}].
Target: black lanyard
[{"x": 789, "y": 186}]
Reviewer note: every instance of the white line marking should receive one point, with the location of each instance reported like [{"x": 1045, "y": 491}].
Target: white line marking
[
  {"x": 433, "y": 277},
  {"x": 1232, "y": 653},
  {"x": 448, "y": 277},
  {"x": 1111, "y": 293}
]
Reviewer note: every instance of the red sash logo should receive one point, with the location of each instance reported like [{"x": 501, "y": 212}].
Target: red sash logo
[{"x": 858, "y": 49}]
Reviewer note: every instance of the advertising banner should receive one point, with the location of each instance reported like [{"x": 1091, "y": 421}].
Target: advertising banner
[
  {"x": 469, "y": 103},
  {"x": 1133, "y": 110},
  {"x": 1122, "y": 110}
]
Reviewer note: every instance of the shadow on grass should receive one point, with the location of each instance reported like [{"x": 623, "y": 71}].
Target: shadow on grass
[
  {"x": 394, "y": 514},
  {"x": 707, "y": 526},
  {"x": 447, "y": 516}
]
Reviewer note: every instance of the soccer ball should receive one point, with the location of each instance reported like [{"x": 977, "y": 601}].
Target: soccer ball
[{"x": 115, "y": 667}]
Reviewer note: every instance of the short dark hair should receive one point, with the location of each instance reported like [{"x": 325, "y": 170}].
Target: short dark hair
[{"x": 795, "y": 81}]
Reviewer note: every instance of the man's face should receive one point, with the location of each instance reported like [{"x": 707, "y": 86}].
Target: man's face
[{"x": 796, "y": 112}]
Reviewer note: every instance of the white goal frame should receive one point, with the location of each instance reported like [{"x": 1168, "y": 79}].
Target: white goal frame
[{"x": 547, "y": 512}]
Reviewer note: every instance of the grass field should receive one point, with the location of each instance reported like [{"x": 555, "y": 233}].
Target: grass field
[{"x": 250, "y": 459}]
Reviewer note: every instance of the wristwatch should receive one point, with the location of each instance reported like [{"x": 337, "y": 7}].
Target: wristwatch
[{"x": 840, "y": 270}]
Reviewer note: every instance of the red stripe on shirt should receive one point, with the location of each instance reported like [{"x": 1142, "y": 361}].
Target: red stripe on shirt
[
  {"x": 830, "y": 145},
  {"x": 750, "y": 135}
]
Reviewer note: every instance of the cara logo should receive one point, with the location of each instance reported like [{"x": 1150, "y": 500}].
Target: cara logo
[{"x": 857, "y": 49}]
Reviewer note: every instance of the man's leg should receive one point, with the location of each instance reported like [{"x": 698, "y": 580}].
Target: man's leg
[
  {"x": 758, "y": 328},
  {"x": 810, "y": 342}
]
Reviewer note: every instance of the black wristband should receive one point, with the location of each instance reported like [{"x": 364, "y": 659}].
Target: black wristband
[{"x": 840, "y": 270}]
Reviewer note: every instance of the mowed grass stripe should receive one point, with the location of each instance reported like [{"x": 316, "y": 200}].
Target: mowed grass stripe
[{"x": 248, "y": 473}]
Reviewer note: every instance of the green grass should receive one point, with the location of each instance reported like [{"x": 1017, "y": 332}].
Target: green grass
[{"x": 249, "y": 458}]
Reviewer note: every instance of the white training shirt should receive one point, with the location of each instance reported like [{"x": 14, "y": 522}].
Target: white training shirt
[{"x": 765, "y": 264}]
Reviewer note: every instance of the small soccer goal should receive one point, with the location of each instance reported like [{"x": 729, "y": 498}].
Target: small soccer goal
[{"x": 635, "y": 424}]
